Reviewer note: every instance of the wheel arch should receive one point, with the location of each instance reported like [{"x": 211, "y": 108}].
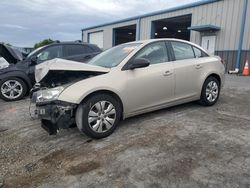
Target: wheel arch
[
  {"x": 19, "y": 75},
  {"x": 217, "y": 76},
  {"x": 105, "y": 91}
]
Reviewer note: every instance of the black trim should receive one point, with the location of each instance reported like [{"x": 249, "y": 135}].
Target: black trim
[{"x": 170, "y": 51}]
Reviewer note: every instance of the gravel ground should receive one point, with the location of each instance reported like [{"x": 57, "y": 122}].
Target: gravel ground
[{"x": 183, "y": 146}]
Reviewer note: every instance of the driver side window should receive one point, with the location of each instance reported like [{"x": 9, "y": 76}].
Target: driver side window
[
  {"x": 50, "y": 53},
  {"x": 155, "y": 53}
]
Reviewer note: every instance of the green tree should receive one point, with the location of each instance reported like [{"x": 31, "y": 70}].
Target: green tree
[{"x": 43, "y": 43}]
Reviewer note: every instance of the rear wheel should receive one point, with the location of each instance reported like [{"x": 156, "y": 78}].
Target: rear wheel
[
  {"x": 210, "y": 92},
  {"x": 12, "y": 89},
  {"x": 98, "y": 116}
]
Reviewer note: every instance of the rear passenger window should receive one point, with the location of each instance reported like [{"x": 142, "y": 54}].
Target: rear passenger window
[
  {"x": 199, "y": 53},
  {"x": 182, "y": 51},
  {"x": 71, "y": 50},
  {"x": 155, "y": 53}
]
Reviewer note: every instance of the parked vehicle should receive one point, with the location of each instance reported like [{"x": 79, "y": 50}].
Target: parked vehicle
[
  {"x": 125, "y": 81},
  {"x": 18, "y": 78},
  {"x": 3, "y": 63}
]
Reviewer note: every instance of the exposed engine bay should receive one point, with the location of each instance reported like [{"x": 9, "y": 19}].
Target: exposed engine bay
[
  {"x": 57, "y": 72},
  {"x": 56, "y": 78}
]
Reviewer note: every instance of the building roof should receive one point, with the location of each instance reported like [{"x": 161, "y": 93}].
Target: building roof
[{"x": 201, "y": 2}]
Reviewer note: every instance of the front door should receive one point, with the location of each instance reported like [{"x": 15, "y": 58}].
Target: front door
[
  {"x": 208, "y": 43},
  {"x": 151, "y": 86}
]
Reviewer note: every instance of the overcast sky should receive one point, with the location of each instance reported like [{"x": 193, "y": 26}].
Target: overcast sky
[{"x": 24, "y": 22}]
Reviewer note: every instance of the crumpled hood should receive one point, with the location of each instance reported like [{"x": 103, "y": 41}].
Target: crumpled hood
[
  {"x": 11, "y": 55},
  {"x": 57, "y": 64}
]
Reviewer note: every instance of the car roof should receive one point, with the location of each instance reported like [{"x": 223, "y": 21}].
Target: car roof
[
  {"x": 73, "y": 43},
  {"x": 160, "y": 39},
  {"x": 166, "y": 39}
]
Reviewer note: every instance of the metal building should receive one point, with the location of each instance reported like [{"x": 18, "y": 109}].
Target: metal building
[{"x": 222, "y": 27}]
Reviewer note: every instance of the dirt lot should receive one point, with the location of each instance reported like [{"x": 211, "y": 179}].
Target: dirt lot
[{"x": 184, "y": 146}]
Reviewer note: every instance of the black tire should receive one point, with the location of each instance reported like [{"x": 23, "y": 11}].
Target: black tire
[
  {"x": 204, "y": 99},
  {"x": 22, "y": 84},
  {"x": 82, "y": 115}
]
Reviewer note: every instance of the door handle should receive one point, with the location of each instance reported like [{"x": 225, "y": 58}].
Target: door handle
[
  {"x": 167, "y": 73},
  {"x": 198, "y": 66}
]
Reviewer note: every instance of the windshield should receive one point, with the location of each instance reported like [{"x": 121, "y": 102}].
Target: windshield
[
  {"x": 114, "y": 56},
  {"x": 33, "y": 52}
]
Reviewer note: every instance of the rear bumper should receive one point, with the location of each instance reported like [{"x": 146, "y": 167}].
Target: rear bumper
[
  {"x": 222, "y": 79},
  {"x": 55, "y": 116}
]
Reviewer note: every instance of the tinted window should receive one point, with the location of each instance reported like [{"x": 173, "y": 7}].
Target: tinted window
[
  {"x": 50, "y": 53},
  {"x": 182, "y": 50},
  {"x": 155, "y": 53},
  {"x": 199, "y": 53},
  {"x": 71, "y": 50}
]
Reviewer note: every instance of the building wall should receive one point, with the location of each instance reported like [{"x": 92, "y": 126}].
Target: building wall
[
  {"x": 230, "y": 56},
  {"x": 227, "y": 14},
  {"x": 107, "y": 33},
  {"x": 246, "y": 40}
]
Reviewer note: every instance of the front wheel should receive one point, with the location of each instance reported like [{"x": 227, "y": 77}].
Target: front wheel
[
  {"x": 98, "y": 116},
  {"x": 12, "y": 89},
  {"x": 210, "y": 92}
]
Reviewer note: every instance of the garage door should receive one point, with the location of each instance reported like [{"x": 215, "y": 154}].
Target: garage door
[{"x": 96, "y": 38}]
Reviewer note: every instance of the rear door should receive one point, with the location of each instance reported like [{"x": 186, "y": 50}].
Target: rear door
[
  {"x": 187, "y": 70},
  {"x": 78, "y": 52}
]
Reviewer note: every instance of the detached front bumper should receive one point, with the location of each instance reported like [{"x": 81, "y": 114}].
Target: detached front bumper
[{"x": 56, "y": 115}]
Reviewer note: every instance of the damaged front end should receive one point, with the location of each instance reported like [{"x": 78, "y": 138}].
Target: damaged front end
[
  {"x": 56, "y": 115},
  {"x": 54, "y": 77}
]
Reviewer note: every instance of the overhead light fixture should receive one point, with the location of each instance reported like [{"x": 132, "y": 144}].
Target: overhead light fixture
[
  {"x": 165, "y": 28},
  {"x": 156, "y": 34},
  {"x": 130, "y": 33},
  {"x": 179, "y": 31}
]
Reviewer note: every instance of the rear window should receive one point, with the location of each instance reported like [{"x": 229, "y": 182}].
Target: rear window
[
  {"x": 182, "y": 50},
  {"x": 199, "y": 53},
  {"x": 71, "y": 50}
]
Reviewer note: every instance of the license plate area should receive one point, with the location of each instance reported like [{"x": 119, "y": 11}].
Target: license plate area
[{"x": 42, "y": 111}]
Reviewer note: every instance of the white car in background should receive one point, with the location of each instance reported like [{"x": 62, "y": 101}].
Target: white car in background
[
  {"x": 124, "y": 81},
  {"x": 3, "y": 63}
]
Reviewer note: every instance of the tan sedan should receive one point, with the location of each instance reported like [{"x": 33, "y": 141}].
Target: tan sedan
[{"x": 124, "y": 81}]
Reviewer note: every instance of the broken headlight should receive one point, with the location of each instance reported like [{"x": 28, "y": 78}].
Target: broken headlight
[{"x": 48, "y": 95}]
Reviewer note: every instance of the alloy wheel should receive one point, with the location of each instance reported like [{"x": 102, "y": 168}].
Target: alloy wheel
[
  {"x": 102, "y": 116},
  {"x": 11, "y": 89},
  {"x": 212, "y": 91}
]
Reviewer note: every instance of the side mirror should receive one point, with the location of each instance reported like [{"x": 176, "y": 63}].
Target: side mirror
[
  {"x": 33, "y": 60},
  {"x": 139, "y": 63}
]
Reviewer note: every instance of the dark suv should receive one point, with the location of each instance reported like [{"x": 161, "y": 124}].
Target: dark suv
[{"x": 18, "y": 78}]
